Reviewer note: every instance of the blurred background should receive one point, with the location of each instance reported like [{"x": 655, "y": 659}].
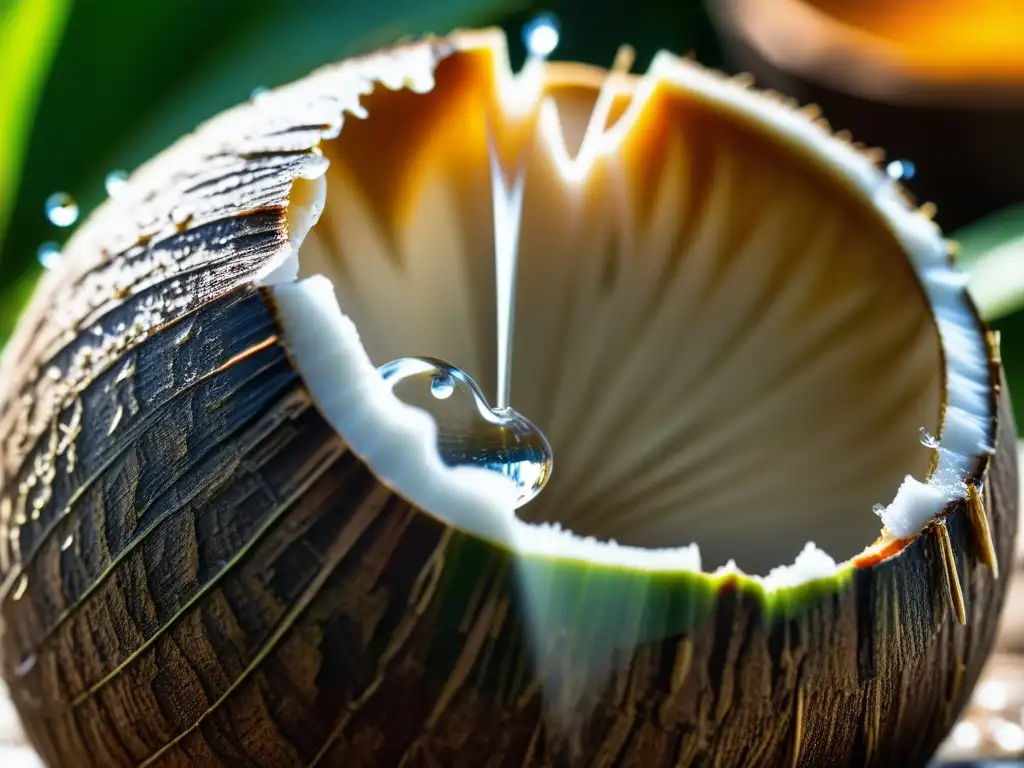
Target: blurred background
[{"x": 91, "y": 89}]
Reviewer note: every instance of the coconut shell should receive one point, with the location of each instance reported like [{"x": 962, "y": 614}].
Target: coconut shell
[{"x": 198, "y": 571}]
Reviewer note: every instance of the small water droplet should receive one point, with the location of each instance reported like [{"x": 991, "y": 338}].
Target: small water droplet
[
  {"x": 442, "y": 385},
  {"x": 48, "y": 255},
  {"x": 541, "y": 35},
  {"x": 469, "y": 431},
  {"x": 61, "y": 209},
  {"x": 928, "y": 440},
  {"x": 66, "y": 544},
  {"x": 259, "y": 93},
  {"x": 878, "y": 509},
  {"x": 20, "y": 587},
  {"x": 26, "y": 665},
  {"x": 115, "y": 182},
  {"x": 901, "y": 170}
]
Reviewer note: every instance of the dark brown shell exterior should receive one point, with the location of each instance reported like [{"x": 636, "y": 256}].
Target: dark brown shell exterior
[{"x": 197, "y": 572}]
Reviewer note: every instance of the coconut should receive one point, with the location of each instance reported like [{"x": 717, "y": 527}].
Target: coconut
[{"x": 227, "y": 541}]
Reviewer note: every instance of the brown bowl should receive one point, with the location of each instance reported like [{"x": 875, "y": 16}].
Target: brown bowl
[{"x": 955, "y": 110}]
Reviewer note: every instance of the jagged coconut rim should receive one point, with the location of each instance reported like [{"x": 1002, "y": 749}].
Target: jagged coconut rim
[{"x": 398, "y": 441}]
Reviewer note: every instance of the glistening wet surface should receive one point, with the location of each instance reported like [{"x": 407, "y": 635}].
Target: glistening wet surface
[{"x": 469, "y": 432}]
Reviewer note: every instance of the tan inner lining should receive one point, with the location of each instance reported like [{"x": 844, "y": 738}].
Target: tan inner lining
[{"x": 722, "y": 344}]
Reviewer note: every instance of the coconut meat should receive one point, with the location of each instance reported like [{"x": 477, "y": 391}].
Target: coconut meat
[{"x": 398, "y": 441}]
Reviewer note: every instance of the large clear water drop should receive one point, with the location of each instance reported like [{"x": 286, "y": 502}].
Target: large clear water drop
[{"x": 470, "y": 432}]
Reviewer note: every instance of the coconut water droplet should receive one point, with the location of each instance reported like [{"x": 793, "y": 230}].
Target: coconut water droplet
[
  {"x": 259, "y": 93},
  {"x": 541, "y": 35},
  {"x": 878, "y": 509},
  {"x": 115, "y": 182},
  {"x": 61, "y": 209},
  {"x": 901, "y": 170},
  {"x": 928, "y": 440},
  {"x": 469, "y": 432},
  {"x": 48, "y": 255},
  {"x": 442, "y": 385}
]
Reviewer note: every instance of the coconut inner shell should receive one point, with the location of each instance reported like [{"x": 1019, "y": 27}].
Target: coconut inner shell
[{"x": 722, "y": 343}]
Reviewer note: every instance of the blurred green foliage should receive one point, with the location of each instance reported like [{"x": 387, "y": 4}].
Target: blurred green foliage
[
  {"x": 992, "y": 250},
  {"x": 30, "y": 32},
  {"x": 105, "y": 84}
]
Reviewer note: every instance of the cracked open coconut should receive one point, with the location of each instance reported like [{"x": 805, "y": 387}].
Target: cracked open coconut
[{"x": 258, "y": 509}]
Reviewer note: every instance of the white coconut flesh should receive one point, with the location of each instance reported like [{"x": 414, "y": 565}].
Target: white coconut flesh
[{"x": 730, "y": 325}]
